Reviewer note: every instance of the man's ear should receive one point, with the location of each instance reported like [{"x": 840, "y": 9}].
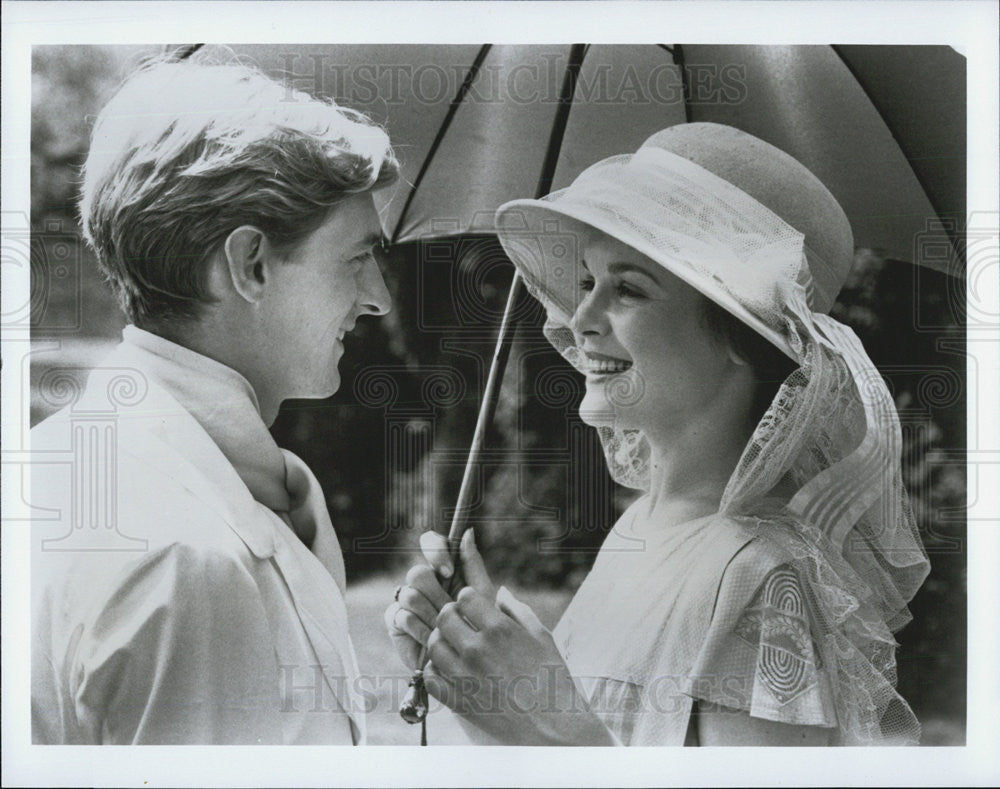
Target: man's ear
[
  {"x": 736, "y": 359},
  {"x": 246, "y": 253}
]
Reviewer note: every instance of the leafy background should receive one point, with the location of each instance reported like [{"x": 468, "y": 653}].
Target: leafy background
[{"x": 389, "y": 447}]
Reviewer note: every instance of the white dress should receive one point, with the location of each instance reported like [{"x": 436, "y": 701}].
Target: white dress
[{"x": 710, "y": 609}]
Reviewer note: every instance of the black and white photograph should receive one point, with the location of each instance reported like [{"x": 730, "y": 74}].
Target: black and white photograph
[{"x": 491, "y": 375}]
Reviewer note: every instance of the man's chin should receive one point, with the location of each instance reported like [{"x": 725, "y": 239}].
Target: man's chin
[{"x": 321, "y": 391}]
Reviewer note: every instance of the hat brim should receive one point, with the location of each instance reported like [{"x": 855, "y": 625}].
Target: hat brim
[{"x": 537, "y": 238}]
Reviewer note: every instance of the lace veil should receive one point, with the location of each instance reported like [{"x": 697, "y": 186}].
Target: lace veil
[{"x": 832, "y": 430}]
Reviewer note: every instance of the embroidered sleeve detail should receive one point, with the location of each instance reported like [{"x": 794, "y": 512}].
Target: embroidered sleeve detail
[{"x": 777, "y": 623}]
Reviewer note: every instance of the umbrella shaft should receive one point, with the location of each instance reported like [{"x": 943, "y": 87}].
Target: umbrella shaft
[
  {"x": 459, "y": 522},
  {"x": 491, "y": 393}
]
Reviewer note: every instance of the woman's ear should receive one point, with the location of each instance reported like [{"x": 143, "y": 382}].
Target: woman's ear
[{"x": 246, "y": 252}]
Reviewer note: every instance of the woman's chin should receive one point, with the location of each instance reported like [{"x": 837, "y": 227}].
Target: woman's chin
[{"x": 595, "y": 410}]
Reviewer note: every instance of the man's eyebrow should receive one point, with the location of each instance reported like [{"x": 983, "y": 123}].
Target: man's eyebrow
[{"x": 618, "y": 268}]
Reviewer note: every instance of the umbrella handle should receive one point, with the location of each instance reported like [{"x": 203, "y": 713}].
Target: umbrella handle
[{"x": 414, "y": 706}]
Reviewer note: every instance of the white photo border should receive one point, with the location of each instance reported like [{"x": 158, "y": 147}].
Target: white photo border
[{"x": 971, "y": 27}]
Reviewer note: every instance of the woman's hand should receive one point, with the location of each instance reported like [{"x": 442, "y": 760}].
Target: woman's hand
[
  {"x": 413, "y": 615},
  {"x": 498, "y": 667},
  {"x": 495, "y": 664}
]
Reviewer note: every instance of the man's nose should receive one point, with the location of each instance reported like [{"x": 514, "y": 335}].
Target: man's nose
[{"x": 373, "y": 295}]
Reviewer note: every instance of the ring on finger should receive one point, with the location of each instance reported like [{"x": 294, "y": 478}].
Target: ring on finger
[{"x": 395, "y": 624}]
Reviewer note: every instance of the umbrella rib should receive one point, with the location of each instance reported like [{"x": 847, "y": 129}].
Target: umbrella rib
[
  {"x": 677, "y": 51},
  {"x": 439, "y": 137},
  {"x": 576, "y": 55},
  {"x": 186, "y": 51}
]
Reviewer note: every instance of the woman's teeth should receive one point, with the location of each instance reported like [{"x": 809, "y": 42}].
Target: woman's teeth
[{"x": 605, "y": 366}]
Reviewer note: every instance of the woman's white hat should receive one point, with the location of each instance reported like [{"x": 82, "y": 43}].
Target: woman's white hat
[{"x": 731, "y": 215}]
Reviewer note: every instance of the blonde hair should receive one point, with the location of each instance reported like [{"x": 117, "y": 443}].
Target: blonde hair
[{"x": 186, "y": 152}]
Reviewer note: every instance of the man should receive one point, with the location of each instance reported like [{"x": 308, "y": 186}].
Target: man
[{"x": 188, "y": 586}]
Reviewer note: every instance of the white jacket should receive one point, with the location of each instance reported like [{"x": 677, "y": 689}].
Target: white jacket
[{"x": 168, "y": 605}]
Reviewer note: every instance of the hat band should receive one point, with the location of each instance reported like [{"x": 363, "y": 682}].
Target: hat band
[
  {"x": 681, "y": 215},
  {"x": 731, "y": 195}
]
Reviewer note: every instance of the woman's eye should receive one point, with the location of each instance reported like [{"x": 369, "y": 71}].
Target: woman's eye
[
  {"x": 624, "y": 289},
  {"x": 587, "y": 284}
]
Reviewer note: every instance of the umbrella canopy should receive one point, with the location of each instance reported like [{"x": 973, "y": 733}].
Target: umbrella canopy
[{"x": 882, "y": 126}]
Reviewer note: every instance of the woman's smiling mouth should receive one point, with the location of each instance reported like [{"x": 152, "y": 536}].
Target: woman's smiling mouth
[{"x": 600, "y": 364}]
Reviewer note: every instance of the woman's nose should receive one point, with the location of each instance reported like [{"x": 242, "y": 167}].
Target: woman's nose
[
  {"x": 590, "y": 317},
  {"x": 373, "y": 295}
]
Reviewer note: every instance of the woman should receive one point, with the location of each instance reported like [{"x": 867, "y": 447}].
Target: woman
[{"x": 750, "y": 595}]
